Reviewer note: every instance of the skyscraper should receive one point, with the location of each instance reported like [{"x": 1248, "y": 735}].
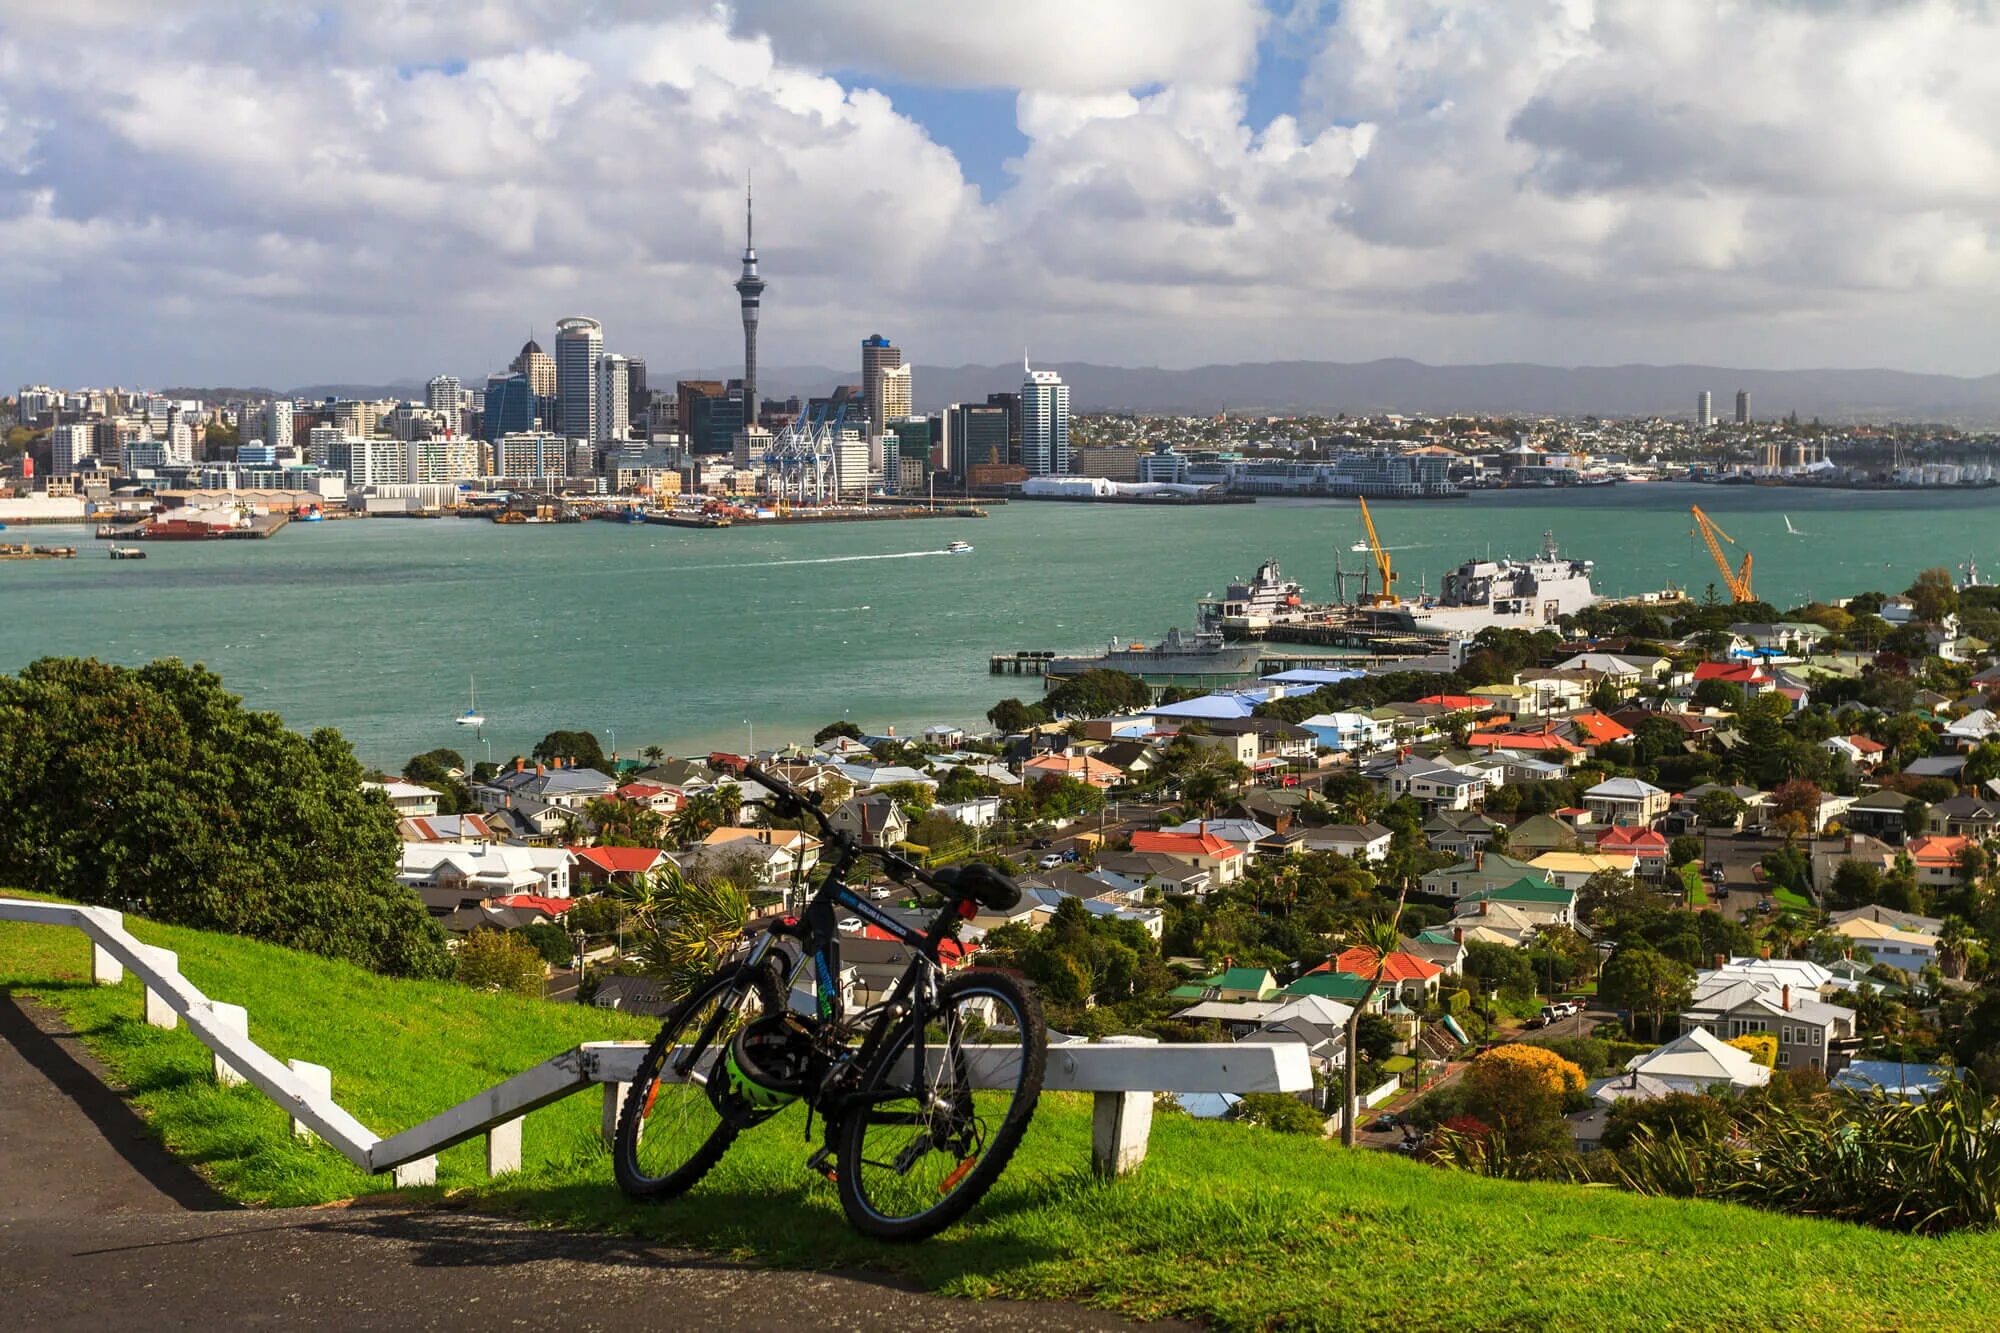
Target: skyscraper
[
  {"x": 1742, "y": 407},
  {"x": 895, "y": 392},
  {"x": 278, "y": 424},
  {"x": 510, "y": 407},
  {"x": 1044, "y": 421},
  {"x": 749, "y": 294},
  {"x": 878, "y": 357},
  {"x": 442, "y": 393},
  {"x": 579, "y": 345},
  {"x": 539, "y": 367},
  {"x": 614, "y": 402},
  {"x": 1704, "y": 410}
]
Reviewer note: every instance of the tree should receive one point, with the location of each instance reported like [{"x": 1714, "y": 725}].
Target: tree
[
  {"x": 1934, "y": 595},
  {"x": 1795, "y": 807},
  {"x": 595, "y": 916},
  {"x": 832, "y": 729},
  {"x": 1377, "y": 1036},
  {"x": 1011, "y": 716},
  {"x": 443, "y": 771},
  {"x": 552, "y": 942},
  {"x": 1279, "y": 1111},
  {"x": 1683, "y": 849},
  {"x": 653, "y": 754},
  {"x": 1380, "y": 937},
  {"x": 155, "y": 791},
  {"x": 1694, "y": 1118},
  {"x": 621, "y": 823},
  {"x": 1726, "y": 695},
  {"x": 579, "y": 749},
  {"x": 1719, "y": 808},
  {"x": 1095, "y": 692},
  {"x": 1519, "y": 1090},
  {"x": 500, "y": 961},
  {"x": 1609, "y": 894},
  {"x": 1499, "y": 967},
  {"x": 1640, "y": 979},
  {"x": 686, "y": 927},
  {"x": 1760, "y": 1046}
]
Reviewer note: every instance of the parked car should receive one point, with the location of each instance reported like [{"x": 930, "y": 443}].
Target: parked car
[
  {"x": 1070, "y": 855},
  {"x": 1050, "y": 861},
  {"x": 1763, "y": 904},
  {"x": 1387, "y": 1120},
  {"x": 1041, "y": 844},
  {"x": 849, "y": 925}
]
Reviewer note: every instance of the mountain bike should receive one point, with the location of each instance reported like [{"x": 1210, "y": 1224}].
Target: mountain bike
[{"x": 924, "y": 1094}]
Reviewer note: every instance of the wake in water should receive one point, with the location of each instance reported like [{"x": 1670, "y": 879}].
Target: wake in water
[{"x": 820, "y": 560}]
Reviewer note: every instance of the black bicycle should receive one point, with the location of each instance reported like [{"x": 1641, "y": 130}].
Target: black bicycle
[{"x": 924, "y": 1094}]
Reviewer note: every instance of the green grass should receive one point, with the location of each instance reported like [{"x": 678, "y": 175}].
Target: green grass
[
  {"x": 1697, "y": 893},
  {"x": 1230, "y": 1225},
  {"x": 1397, "y": 1064},
  {"x": 1787, "y": 898}
]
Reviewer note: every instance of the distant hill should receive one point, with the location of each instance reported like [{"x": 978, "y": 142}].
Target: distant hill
[{"x": 1402, "y": 385}]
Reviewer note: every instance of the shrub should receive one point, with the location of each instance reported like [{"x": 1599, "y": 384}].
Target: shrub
[
  {"x": 1281, "y": 1112},
  {"x": 498, "y": 960},
  {"x": 1762, "y": 1046},
  {"x": 1695, "y": 1118},
  {"x": 1520, "y": 1091},
  {"x": 1587, "y": 1053}
]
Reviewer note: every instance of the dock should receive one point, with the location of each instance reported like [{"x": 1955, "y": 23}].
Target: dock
[
  {"x": 1037, "y": 662},
  {"x": 23, "y": 551}
]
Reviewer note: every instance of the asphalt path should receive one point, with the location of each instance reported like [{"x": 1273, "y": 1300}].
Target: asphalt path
[{"x": 100, "y": 1228}]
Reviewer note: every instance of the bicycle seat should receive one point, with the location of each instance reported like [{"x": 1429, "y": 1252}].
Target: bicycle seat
[{"x": 982, "y": 883}]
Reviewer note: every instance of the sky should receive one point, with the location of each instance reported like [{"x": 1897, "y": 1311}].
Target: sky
[{"x": 230, "y": 192}]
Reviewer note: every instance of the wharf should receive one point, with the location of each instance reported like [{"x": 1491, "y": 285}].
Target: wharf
[
  {"x": 687, "y": 520},
  {"x": 873, "y": 514},
  {"x": 23, "y": 551},
  {"x": 1036, "y": 662},
  {"x": 261, "y": 526},
  {"x": 1162, "y": 501}
]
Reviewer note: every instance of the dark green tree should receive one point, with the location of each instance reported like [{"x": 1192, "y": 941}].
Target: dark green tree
[{"x": 577, "y": 748}]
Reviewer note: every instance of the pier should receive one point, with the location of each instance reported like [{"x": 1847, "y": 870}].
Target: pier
[{"x": 1038, "y": 662}]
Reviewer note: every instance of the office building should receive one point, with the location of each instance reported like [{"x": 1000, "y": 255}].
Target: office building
[
  {"x": 1010, "y": 403},
  {"x": 68, "y": 446},
  {"x": 510, "y": 406},
  {"x": 854, "y": 474},
  {"x": 639, "y": 399},
  {"x": 614, "y": 398},
  {"x": 878, "y": 357},
  {"x": 368, "y": 461},
  {"x": 355, "y": 416},
  {"x": 256, "y": 454},
  {"x": 750, "y": 296},
  {"x": 1742, "y": 407},
  {"x": 977, "y": 436},
  {"x": 895, "y": 392},
  {"x": 538, "y": 366},
  {"x": 1704, "y": 410},
  {"x": 278, "y": 424},
  {"x": 535, "y": 455},
  {"x": 713, "y": 420},
  {"x": 442, "y": 459},
  {"x": 579, "y": 347},
  {"x": 908, "y": 446},
  {"x": 1044, "y": 422}
]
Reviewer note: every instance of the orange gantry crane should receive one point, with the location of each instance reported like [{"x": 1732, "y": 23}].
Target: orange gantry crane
[
  {"x": 1737, "y": 579},
  {"x": 1387, "y": 596}
]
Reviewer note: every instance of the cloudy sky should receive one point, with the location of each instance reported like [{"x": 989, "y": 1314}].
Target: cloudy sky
[{"x": 235, "y": 191}]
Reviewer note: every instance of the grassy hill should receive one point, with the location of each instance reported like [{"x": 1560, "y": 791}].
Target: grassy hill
[{"x": 1234, "y": 1226}]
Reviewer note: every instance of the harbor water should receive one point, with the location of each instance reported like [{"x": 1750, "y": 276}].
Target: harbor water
[{"x": 688, "y": 639}]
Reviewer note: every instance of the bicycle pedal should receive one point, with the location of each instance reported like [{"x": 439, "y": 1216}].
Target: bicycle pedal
[{"x": 822, "y": 1162}]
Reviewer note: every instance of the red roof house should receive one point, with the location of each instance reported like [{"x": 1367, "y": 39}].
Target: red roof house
[{"x": 601, "y": 865}]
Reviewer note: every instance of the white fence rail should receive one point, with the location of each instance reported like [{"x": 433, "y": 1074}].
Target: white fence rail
[{"x": 1123, "y": 1075}]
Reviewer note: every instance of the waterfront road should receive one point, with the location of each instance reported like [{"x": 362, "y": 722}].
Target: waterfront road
[{"x": 100, "y": 1227}]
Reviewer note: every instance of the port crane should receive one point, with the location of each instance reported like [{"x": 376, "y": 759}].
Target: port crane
[
  {"x": 1387, "y": 597},
  {"x": 1737, "y": 579}
]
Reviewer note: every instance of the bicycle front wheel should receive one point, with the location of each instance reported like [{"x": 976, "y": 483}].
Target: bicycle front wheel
[
  {"x": 677, "y": 1122},
  {"x": 943, "y": 1109}
]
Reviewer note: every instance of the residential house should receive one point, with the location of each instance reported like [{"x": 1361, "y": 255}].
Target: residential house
[
  {"x": 1752, "y": 678},
  {"x": 453, "y": 875},
  {"x": 653, "y": 796},
  {"x": 1458, "y": 833},
  {"x": 778, "y": 853},
  {"x": 1081, "y": 767},
  {"x": 1626, "y": 801},
  {"x": 407, "y": 799},
  {"x": 1557, "y": 691},
  {"x": 1538, "y": 834},
  {"x": 1139, "y": 871},
  {"x": 1347, "y": 732},
  {"x": 1368, "y": 843},
  {"x": 1437, "y": 786},
  {"x": 1696, "y": 1062},
  {"x": 1683, "y": 807},
  {"x": 1414, "y": 980},
  {"x": 1939, "y": 858},
  {"x": 1626, "y": 672},
  {"x": 1223, "y": 860},
  {"x": 1244, "y": 834},
  {"x": 1344, "y": 987},
  {"x": 1647, "y": 847},
  {"x": 1132, "y": 759},
  {"x": 1881, "y": 813},
  {"x": 878, "y": 961},
  {"x": 1276, "y": 739},
  {"x": 1572, "y": 870},
  {"x": 544, "y": 784},
  {"x": 1897, "y": 946},
  {"x": 1233, "y": 983},
  {"x": 1981, "y": 724},
  {"x": 601, "y": 867},
  {"x": 1974, "y": 817},
  {"x": 1237, "y": 747},
  {"x": 1476, "y": 874},
  {"x": 1855, "y": 752},
  {"x": 1438, "y": 945},
  {"x": 446, "y": 828},
  {"x": 1507, "y": 700},
  {"x": 1889, "y": 916},
  {"x": 1592, "y": 728},
  {"x": 1697, "y": 731},
  {"x": 873, "y": 819},
  {"x": 1538, "y": 902},
  {"x": 1778, "y": 996},
  {"x": 632, "y": 995},
  {"x": 979, "y": 812},
  {"x": 1541, "y": 742},
  {"x": 1790, "y": 638},
  {"x": 1947, "y": 766}
]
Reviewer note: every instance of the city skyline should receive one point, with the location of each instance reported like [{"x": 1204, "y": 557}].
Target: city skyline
[{"x": 1775, "y": 186}]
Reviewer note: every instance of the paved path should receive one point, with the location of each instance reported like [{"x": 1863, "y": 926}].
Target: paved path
[{"x": 100, "y": 1227}]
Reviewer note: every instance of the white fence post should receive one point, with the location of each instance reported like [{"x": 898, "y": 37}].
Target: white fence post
[
  {"x": 1120, "y": 1124},
  {"x": 614, "y": 1099},
  {"x": 158, "y": 1012},
  {"x": 232, "y": 1018},
  {"x": 503, "y": 1148},
  {"x": 317, "y": 1079},
  {"x": 423, "y": 1171},
  {"x": 105, "y": 969}
]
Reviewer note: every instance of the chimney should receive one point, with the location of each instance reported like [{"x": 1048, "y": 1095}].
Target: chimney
[
  {"x": 539, "y": 770},
  {"x": 1721, "y": 961},
  {"x": 1478, "y": 858},
  {"x": 519, "y": 763},
  {"x": 1785, "y": 997},
  {"x": 510, "y": 800},
  {"x": 1484, "y": 903},
  {"x": 1458, "y": 934},
  {"x": 1765, "y": 953}
]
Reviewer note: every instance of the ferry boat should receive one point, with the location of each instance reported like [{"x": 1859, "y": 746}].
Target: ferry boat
[
  {"x": 1512, "y": 594},
  {"x": 958, "y": 548},
  {"x": 1203, "y": 653},
  {"x": 1254, "y": 604},
  {"x": 128, "y": 553}
]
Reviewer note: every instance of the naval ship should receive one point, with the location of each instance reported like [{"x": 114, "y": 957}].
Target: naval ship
[
  {"x": 1511, "y": 594},
  {"x": 1199, "y": 654}
]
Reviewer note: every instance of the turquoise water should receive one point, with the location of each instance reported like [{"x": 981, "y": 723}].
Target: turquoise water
[{"x": 684, "y": 638}]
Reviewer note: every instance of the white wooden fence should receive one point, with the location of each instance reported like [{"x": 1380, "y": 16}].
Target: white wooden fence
[{"x": 1123, "y": 1075}]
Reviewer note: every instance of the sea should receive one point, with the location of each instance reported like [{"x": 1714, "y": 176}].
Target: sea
[{"x": 702, "y": 639}]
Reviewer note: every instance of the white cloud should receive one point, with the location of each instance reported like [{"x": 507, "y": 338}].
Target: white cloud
[{"x": 225, "y": 190}]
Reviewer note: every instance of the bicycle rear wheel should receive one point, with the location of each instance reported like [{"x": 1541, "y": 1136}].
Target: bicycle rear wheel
[
  {"x": 943, "y": 1109},
  {"x": 674, "y": 1125}
]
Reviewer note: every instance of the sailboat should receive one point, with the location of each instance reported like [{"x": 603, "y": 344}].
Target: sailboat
[
  {"x": 1794, "y": 531},
  {"x": 472, "y": 717}
]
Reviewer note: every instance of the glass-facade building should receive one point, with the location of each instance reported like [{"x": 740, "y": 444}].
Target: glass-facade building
[{"x": 510, "y": 406}]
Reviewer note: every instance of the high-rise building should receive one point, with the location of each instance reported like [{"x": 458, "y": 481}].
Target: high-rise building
[
  {"x": 638, "y": 397},
  {"x": 1704, "y": 410},
  {"x": 510, "y": 405},
  {"x": 68, "y": 446},
  {"x": 1742, "y": 407},
  {"x": 443, "y": 459},
  {"x": 976, "y": 436},
  {"x": 895, "y": 391},
  {"x": 614, "y": 400},
  {"x": 538, "y": 366},
  {"x": 1044, "y": 421},
  {"x": 355, "y": 416},
  {"x": 536, "y": 455},
  {"x": 368, "y": 461},
  {"x": 878, "y": 357},
  {"x": 579, "y": 346},
  {"x": 1010, "y": 403},
  {"x": 441, "y": 393},
  {"x": 278, "y": 424},
  {"x": 750, "y": 296}
]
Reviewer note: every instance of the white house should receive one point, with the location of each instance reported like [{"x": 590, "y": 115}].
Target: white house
[
  {"x": 1698, "y": 1060},
  {"x": 1356, "y": 842},
  {"x": 485, "y": 870},
  {"x": 979, "y": 812},
  {"x": 1626, "y": 801},
  {"x": 407, "y": 799},
  {"x": 1356, "y": 732}
]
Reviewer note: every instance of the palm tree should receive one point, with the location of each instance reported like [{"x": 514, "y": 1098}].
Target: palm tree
[
  {"x": 652, "y": 754},
  {"x": 687, "y": 927},
  {"x": 1381, "y": 937}
]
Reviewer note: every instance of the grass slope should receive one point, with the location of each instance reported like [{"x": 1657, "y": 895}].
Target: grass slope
[{"x": 1231, "y": 1225}]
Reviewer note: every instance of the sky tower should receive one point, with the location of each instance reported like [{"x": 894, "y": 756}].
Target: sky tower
[{"x": 749, "y": 288}]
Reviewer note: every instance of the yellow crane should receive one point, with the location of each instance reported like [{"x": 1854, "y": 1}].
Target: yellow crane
[
  {"x": 1387, "y": 596},
  {"x": 1737, "y": 579}
]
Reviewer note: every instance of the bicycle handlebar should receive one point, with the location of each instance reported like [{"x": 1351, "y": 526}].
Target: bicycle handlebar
[{"x": 800, "y": 802}]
